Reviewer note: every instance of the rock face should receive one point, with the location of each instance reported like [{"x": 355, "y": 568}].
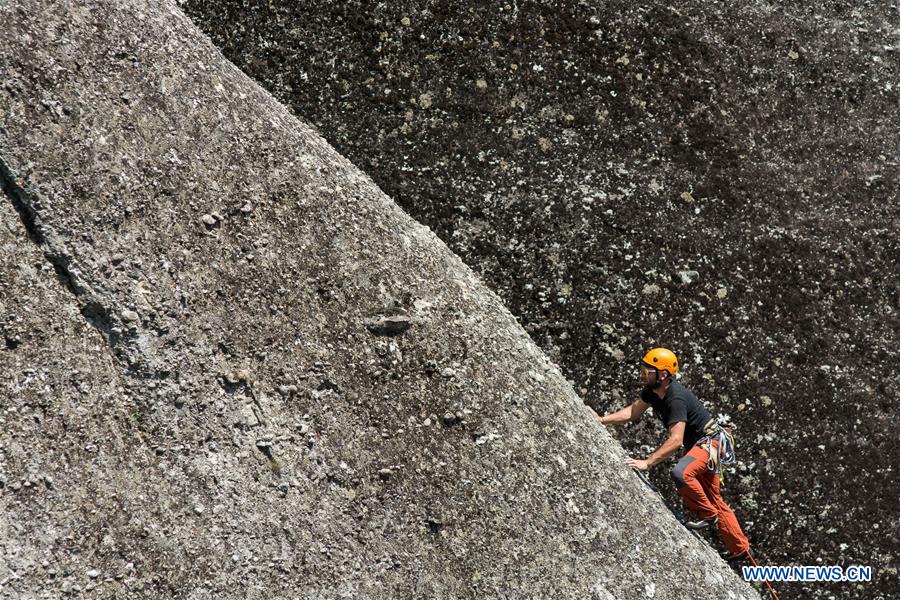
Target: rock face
[
  {"x": 718, "y": 177},
  {"x": 233, "y": 367}
]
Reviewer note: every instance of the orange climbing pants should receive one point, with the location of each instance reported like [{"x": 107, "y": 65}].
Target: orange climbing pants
[{"x": 699, "y": 488}]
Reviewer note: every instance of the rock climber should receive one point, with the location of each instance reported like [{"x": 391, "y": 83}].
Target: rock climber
[{"x": 708, "y": 446}]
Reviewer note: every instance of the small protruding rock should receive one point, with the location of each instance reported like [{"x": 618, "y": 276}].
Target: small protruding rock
[
  {"x": 237, "y": 376},
  {"x": 385, "y": 474},
  {"x": 129, "y": 316},
  {"x": 208, "y": 220},
  {"x": 287, "y": 390},
  {"x": 392, "y": 325},
  {"x": 93, "y": 573}
]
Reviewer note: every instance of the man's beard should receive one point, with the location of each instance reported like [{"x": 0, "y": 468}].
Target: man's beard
[{"x": 653, "y": 386}]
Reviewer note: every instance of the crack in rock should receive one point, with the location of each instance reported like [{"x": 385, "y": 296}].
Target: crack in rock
[{"x": 120, "y": 338}]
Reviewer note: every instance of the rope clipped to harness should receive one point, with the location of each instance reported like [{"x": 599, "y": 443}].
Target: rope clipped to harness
[{"x": 719, "y": 445}]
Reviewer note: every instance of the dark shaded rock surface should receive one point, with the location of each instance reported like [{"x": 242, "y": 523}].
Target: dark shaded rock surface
[
  {"x": 192, "y": 404},
  {"x": 718, "y": 177}
]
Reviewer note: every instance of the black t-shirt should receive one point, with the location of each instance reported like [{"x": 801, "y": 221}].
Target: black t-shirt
[{"x": 679, "y": 404}]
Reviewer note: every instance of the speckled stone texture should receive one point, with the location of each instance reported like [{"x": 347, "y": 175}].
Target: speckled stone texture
[
  {"x": 720, "y": 177},
  {"x": 234, "y": 368}
]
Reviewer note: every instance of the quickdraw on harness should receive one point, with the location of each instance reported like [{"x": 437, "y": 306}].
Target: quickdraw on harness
[{"x": 721, "y": 454}]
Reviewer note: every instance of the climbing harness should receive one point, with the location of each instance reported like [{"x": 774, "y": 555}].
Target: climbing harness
[{"x": 721, "y": 453}]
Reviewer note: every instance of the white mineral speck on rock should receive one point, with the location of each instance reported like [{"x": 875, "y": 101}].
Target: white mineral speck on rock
[
  {"x": 651, "y": 289},
  {"x": 688, "y": 277}
]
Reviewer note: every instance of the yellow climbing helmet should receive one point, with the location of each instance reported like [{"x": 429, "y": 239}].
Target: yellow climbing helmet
[{"x": 661, "y": 359}]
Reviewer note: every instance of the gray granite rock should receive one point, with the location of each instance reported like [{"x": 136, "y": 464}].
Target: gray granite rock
[{"x": 124, "y": 125}]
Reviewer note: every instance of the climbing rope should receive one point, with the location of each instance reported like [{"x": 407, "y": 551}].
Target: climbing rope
[
  {"x": 768, "y": 585},
  {"x": 719, "y": 445}
]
